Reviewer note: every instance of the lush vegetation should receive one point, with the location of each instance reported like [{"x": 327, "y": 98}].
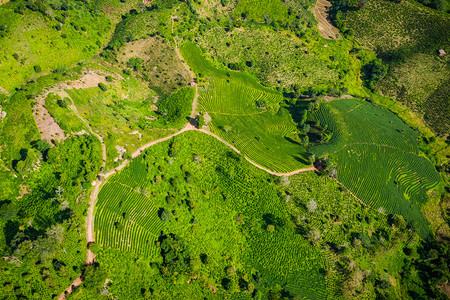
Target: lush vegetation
[
  {"x": 199, "y": 194},
  {"x": 177, "y": 108},
  {"x": 43, "y": 242},
  {"x": 197, "y": 214},
  {"x": 34, "y": 34},
  {"x": 407, "y": 37},
  {"x": 376, "y": 156}
]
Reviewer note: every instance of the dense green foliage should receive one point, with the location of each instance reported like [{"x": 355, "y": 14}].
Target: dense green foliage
[
  {"x": 39, "y": 32},
  {"x": 190, "y": 217},
  {"x": 202, "y": 191},
  {"x": 176, "y": 108},
  {"x": 376, "y": 156},
  {"x": 43, "y": 241}
]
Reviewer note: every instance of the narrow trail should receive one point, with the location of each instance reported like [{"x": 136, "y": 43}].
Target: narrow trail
[{"x": 102, "y": 177}]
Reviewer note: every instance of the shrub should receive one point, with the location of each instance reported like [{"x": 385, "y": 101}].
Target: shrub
[
  {"x": 109, "y": 78},
  {"x": 102, "y": 86},
  {"x": 37, "y": 69}
]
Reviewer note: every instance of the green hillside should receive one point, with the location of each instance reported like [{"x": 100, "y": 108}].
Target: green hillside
[
  {"x": 224, "y": 149},
  {"x": 376, "y": 156}
]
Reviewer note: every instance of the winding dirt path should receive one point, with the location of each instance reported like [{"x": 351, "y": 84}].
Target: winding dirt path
[{"x": 102, "y": 177}]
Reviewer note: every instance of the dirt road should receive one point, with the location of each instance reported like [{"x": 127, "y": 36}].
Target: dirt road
[{"x": 104, "y": 176}]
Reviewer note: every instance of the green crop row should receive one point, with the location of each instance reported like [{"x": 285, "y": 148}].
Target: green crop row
[
  {"x": 376, "y": 157},
  {"x": 126, "y": 220}
]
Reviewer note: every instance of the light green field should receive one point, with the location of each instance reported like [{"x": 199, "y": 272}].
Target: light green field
[
  {"x": 377, "y": 158},
  {"x": 260, "y": 133},
  {"x": 121, "y": 201}
]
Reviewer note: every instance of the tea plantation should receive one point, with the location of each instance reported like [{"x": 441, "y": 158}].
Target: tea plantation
[
  {"x": 248, "y": 116},
  {"x": 377, "y": 158},
  {"x": 224, "y": 149},
  {"x": 201, "y": 195}
]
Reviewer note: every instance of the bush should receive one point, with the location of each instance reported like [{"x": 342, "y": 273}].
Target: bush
[
  {"x": 135, "y": 63},
  {"x": 102, "y": 86},
  {"x": 109, "y": 78},
  {"x": 37, "y": 69}
]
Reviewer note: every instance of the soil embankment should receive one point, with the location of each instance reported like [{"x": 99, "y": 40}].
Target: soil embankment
[{"x": 326, "y": 27}]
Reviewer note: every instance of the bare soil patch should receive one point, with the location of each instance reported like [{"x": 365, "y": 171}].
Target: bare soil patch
[
  {"x": 47, "y": 125},
  {"x": 445, "y": 288},
  {"x": 3, "y": 1},
  {"x": 326, "y": 27}
]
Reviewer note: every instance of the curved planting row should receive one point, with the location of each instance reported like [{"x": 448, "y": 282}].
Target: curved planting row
[
  {"x": 223, "y": 96},
  {"x": 134, "y": 175},
  {"x": 262, "y": 138},
  {"x": 335, "y": 124},
  {"x": 365, "y": 122},
  {"x": 297, "y": 266},
  {"x": 126, "y": 220},
  {"x": 379, "y": 162}
]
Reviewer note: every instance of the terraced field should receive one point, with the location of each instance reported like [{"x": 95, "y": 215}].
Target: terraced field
[
  {"x": 259, "y": 133},
  {"x": 247, "y": 115},
  {"x": 377, "y": 159},
  {"x": 121, "y": 202}
]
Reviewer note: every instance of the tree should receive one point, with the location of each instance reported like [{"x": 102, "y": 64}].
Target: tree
[
  {"x": 270, "y": 228},
  {"x": 231, "y": 271},
  {"x": 200, "y": 121},
  {"x": 304, "y": 117},
  {"x": 314, "y": 235},
  {"x": 373, "y": 72},
  {"x": 135, "y": 63},
  {"x": 8, "y": 211}
]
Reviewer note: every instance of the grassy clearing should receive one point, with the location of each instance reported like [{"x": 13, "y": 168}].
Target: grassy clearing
[
  {"x": 124, "y": 115},
  {"x": 31, "y": 40},
  {"x": 160, "y": 67},
  {"x": 303, "y": 62},
  {"x": 262, "y": 11},
  {"x": 378, "y": 161},
  {"x": 220, "y": 206},
  {"x": 66, "y": 118}
]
